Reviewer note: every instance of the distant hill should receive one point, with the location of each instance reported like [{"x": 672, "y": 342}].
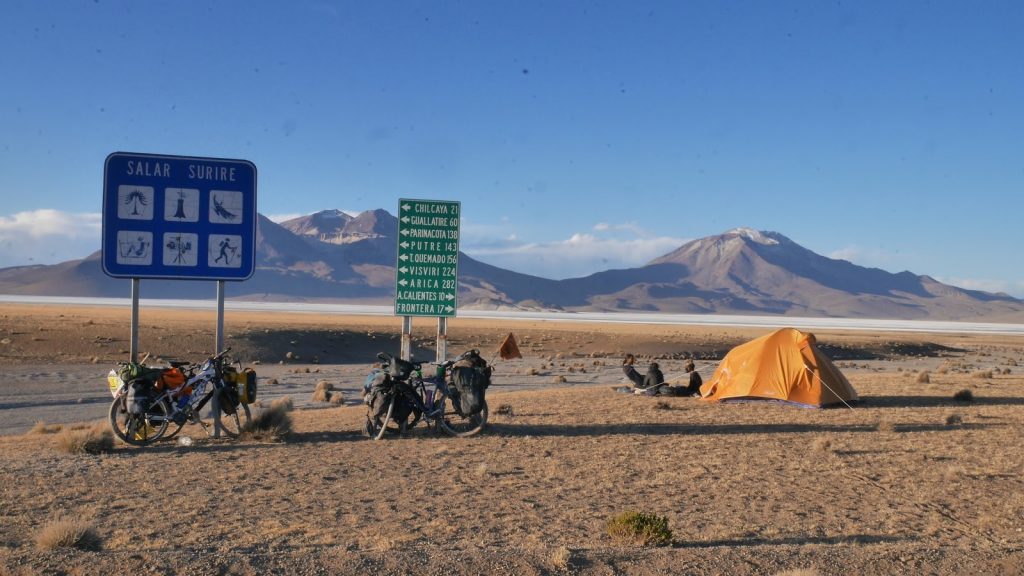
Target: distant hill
[
  {"x": 333, "y": 256},
  {"x": 744, "y": 271}
]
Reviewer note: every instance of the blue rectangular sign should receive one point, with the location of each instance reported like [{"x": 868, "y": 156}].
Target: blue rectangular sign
[{"x": 178, "y": 217}]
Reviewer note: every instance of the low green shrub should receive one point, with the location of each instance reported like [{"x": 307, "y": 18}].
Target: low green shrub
[{"x": 640, "y": 528}]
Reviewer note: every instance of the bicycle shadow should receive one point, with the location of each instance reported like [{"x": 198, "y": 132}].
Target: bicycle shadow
[{"x": 227, "y": 446}]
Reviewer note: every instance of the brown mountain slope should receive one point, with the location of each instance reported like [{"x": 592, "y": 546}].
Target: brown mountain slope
[
  {"x": 331, "y": 256},
  {"x": 745, "y": 271}
]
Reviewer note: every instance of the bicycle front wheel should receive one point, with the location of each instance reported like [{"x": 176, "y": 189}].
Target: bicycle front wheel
[
  {"x": 455, "y": 425},
  {"x": 138, "y": 429},
  {"x": 233, "y": 424}
]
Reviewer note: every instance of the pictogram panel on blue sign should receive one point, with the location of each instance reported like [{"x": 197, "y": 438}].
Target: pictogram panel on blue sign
[{"x": 178, "y": 217}]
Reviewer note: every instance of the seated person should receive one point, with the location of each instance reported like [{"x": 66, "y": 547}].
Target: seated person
[
  {"x": 654, "y": 381},
  {"x": 693, "y": 387},
  {"x": 630, "y": 371}
]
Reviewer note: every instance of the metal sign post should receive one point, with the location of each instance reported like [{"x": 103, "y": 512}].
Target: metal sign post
[
  {"x": 219, "y": 337},
  {"x": 133, "y": 348},
  {"x": 406, "y": 345},
  {"x": 442, "y": 339}
]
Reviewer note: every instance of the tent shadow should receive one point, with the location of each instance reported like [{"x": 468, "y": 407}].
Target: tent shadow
[
  {"x": 658, "y": 429},
  {"x": 937, "y": 401}
]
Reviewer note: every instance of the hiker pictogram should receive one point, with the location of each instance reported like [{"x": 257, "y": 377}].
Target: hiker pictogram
[{"x": 225, "y": 251}]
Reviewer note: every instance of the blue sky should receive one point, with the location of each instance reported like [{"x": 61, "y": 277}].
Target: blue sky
[{"x": 578, "y": 136}]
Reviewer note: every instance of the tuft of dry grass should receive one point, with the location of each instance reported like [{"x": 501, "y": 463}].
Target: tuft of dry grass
[
  {"x": 954, "y": 420},
  {"x": 41, "y": 427},
  {"x": 67, "y": 533},
  {"x": 96, "y": 439},
  {"x": 885, "y": 426},
  {"x": 639, "y": 528},
  {"x": 324, "y": 385},
  {"x": 662, "y": 405},
  {"x": 272, "y": 424},
  {"x": 505, "y": 410},
  {"x": 559, "y": 379},
  {"x": 283, "y": 403},
  {"x": 821, "y": 444},
  {"x": 923, "y": 377},
  {"x": 321, "y": 395},
  {"x": 337, "y": 398},
  {"x": 984, "y": 374},
  {"x": 561, "y": 558},
  {"x": 964, "y": 395}
]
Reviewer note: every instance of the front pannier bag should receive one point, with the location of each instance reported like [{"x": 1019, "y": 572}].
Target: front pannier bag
[{"x": 469, "y": 383}]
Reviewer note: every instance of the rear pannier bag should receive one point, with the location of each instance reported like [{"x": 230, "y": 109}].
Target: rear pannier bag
[
  {"x": 469, "y": 383},
  {"x": 378, "y": 398},
  {"x": 246, "y": 386},
  {"x": 244, "y": 383},
  {"x": 140, "y": 396}
]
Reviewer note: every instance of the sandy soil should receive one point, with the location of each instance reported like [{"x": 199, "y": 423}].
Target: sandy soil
[{"x": 910, "y": 482}]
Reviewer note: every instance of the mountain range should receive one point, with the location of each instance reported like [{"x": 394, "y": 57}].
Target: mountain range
[{"x": 332, "y": 256}]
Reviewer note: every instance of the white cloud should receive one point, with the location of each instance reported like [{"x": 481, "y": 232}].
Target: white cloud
[
  {"x": 48, "y": 236},
  {"x": 579, "y": 255},
  {"x": 278, "y": 218},
  {"x": 873, "y": 257}
]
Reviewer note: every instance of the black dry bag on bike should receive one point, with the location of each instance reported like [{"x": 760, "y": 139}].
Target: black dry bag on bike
[
  {"x": 229, "y": 399},
  {"x": 378, "y": 398},
  {"x": 139, "y": 397},
  {"x": 469, "y": 384}
]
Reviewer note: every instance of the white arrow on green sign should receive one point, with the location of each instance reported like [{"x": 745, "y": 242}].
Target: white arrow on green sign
[{"x": 426, "y": 275}]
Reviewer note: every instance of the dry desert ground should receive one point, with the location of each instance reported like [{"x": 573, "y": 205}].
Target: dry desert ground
[{"x": 911, "y": 481}]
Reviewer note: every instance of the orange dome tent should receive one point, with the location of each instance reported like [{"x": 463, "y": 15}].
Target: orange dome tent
[{"x": 786, "y": 366}]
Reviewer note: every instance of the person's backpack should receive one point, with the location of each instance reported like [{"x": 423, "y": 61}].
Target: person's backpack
[
  {"x": 140, "y": 396},
  {"x": 468, "y": 386}
]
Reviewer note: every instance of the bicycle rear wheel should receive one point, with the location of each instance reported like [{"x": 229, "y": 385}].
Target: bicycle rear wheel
[
  {"x": 455, "y": 425},
  {"x": 139, "y": 429}
]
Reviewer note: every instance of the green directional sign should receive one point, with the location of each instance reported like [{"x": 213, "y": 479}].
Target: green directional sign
[{"x": 427, "y": 273}]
